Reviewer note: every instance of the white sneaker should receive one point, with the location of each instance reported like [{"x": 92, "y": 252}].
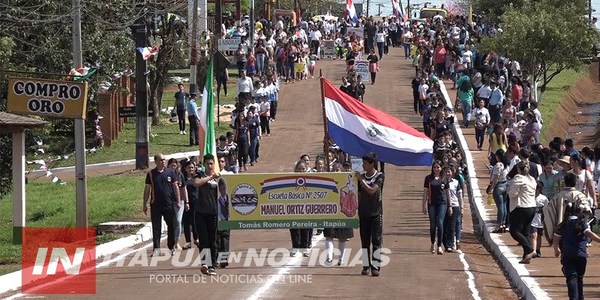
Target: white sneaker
[
  {"x": 184, "y": 132},
  {"x": 156, "y": 252}
]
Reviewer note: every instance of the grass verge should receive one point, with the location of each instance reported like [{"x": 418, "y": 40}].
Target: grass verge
[
  {"x": 555, "y": 93},
  {"x": 166, "y": 140},
  {"x": 110, "y": 198}
]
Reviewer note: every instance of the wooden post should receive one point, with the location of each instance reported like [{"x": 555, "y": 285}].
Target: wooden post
[{"x": 18, "y": 193}]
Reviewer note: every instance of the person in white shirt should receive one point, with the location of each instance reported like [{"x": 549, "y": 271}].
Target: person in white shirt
[
  {"x": 315, "y": 41},
  {"x": 467, "y": 57},
  {"x": 482, "y": 118},
  {"x": 521, "y": 193},
  {"x": 484, "y": 93},
  {"x": 245, "y": 86},
  {"x": 423, "y": 87}
]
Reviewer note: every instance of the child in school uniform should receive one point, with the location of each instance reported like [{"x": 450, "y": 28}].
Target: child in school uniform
[
  {"x": 537, "y": 225},
  {"x": 570, "y": 243}
]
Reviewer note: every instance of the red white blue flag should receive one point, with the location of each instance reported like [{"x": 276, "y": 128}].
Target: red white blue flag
[{"x": 359, "y": 129}]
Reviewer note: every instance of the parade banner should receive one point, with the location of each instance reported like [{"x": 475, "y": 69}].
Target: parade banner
[
  {"x": 328, "y": 48},
  {"x": 292, "y": 200},
  {"x": 362, "y": 68}
]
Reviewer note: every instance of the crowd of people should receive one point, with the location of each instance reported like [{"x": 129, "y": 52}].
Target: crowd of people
[{"x": 536, "y": 188}]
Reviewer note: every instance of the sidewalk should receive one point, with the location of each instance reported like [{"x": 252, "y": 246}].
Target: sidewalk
[
  {"x": 107, "y": 168},
  {"x": 543, "y": 278}
]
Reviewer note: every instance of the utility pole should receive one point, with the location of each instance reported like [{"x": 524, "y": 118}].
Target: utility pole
[
  {"x": 407, "y": 8},
  {"x": 367, "y": 11},
  {"x": 194, "y": 52},
  {"x": 81, "y": 218},
  {"x": 590, "y": 10},
  {"x": 251, "y": 25},
  {"x": 141, "y": 91}
]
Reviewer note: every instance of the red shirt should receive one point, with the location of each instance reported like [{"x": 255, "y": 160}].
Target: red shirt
[
  {"x": 516, "y": 94},
  {"x": 439, "y": 55}
]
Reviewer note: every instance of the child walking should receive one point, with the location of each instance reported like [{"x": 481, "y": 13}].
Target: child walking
[
  {"x": 574, "y": 232},
  {"x": 537, "y": 226}
]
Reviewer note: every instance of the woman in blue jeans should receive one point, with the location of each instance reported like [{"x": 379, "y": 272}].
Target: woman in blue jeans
[
  {"x": 464, "y": 96},
  {"x": 435, "y": 205},
  {"x": 498, "y": 182}
]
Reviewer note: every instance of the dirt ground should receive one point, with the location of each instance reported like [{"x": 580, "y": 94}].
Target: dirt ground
[{"x": 413, "y": 272}]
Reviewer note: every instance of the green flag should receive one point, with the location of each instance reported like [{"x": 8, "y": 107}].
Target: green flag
[{"x": 207, "y": 139}]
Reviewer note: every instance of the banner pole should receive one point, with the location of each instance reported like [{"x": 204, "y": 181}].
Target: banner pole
[{"x": 325, "y": 131}]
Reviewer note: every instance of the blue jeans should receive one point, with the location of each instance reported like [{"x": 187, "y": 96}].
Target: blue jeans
[
  {"x": 452, "y": 227},
  {"x": 500, "y": 199},
  {"x": 480, "y": 136},
  {"x": 406, "y": 50},
  {"x": 437, "y": 214},
  {"x": 178, "y": 219},
  {"x": 574, "y": 270},
  {"x": 260, "y": 63},
  {"x": 466, "y": 111},
  {"x": 252, "y": 150}
]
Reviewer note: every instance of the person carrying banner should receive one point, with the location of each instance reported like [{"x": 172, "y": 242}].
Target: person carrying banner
[
  {"x": 163, "y": 192},
  {"x": 205, "y": 213},
  {"x": 370, "y": 213}
]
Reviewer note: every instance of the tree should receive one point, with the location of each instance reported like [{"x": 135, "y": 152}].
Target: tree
[
  {"x": 546, "y": 37},
  {"x": 494, "y": 9}
]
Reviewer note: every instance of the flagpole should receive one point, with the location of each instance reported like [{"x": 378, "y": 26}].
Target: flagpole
[{"x": 326, "y": 132}]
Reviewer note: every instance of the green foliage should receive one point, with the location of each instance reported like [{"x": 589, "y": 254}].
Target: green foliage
[
  {"x": 494, "y": 9},
  {"x": 546, "y": 37},
  {"x": 36, "y": 37}
]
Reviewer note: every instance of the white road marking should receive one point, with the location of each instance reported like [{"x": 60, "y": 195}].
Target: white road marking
[
  {"x": 282, "y": 271},
  {"x": 98, "y": 266}
]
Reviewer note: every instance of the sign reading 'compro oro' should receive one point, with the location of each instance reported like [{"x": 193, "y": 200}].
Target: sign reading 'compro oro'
[
  {"x": 50, "y": 98},
  {"x": 294, "y": 200}
]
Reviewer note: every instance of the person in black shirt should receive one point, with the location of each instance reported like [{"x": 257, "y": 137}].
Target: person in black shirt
[
  {"x": 253, "y": 124},
  {"x": 415, "y": 87},
  {"x": 189, "y": 226},
  {"x": 370, "y": 213},
  {"x": 163, "y": 192},
  {"x": 435, "y": 205},
  {"x": 180, "y": 107},
  {"x": 205, "y": 213}
]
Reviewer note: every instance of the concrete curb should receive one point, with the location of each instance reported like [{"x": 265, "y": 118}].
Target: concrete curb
[
  {"x": 12, "y": 281},
  {"x": 119, "y": 163},
  {"x": 509, "y": 261}
]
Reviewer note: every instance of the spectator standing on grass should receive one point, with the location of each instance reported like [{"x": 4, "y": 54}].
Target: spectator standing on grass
[
  {"x": 205, "y": 214},
  {"x": 370, "y": 213},
  {"x": 163, "y": 193},
  {"x": 192, "y": 109},
  {"x": 180, "y": 97}
]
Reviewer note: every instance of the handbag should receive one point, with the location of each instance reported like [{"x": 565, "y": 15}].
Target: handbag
[{"x": 489, "y": 189}]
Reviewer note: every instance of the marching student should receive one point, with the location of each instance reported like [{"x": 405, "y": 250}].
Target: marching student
[
  {"x": 183, "y": 195},
  {"x": 163, "y": 192},
  {"x": 370, "y": 213},
  {"x": 300, "y": 237},
  {"x": 205, "y": 214}
]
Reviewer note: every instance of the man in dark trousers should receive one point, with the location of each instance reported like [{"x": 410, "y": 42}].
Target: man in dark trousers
[
  {"x": 206, "y": 213},
  {"x": 163, "y": 192},
  {"x": 180, "y": 97},
  {"x": 370, "y": 214},
  {"x": 194, "y": 118}
]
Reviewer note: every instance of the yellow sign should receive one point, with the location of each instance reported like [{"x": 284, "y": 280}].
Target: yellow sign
[
  {"x": 293, "y": 200},
  {"x": 49, "y": 98}
]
